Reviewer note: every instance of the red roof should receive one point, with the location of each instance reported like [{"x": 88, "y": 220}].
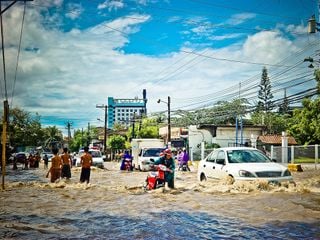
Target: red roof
[{"x": 276, "y": 139}]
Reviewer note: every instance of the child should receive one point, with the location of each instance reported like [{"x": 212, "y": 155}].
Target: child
[
  {"x": 86, "y": 161},
  {"x": 67, "y": 163},
  {"x": 55, "y": 169}
]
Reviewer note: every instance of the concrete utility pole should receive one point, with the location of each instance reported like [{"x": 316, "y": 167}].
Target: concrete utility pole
[
  {"x": 169, "y": 119},
  {"x": 5, "y": 103},
  {"x": 105, "y": 107},
  {"x": 69, "y": 124}
]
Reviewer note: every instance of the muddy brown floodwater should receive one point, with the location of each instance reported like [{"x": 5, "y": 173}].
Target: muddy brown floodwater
[{"x": 115, "y": 206}]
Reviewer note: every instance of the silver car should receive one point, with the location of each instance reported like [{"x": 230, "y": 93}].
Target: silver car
[{"x": 241, "y": 163}]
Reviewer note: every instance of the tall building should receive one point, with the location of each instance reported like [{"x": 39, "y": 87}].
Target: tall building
[{"x": 123, "y": 111}]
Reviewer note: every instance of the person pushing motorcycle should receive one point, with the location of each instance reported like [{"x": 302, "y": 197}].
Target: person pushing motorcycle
[{"x": 168, "y": 161}]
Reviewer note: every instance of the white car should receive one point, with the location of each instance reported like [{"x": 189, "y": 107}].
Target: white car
[
  {"x": 241, "y": 163},
  {"x": 97, "y": 158}
]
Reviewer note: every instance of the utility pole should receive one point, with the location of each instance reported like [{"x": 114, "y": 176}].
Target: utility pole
[
  {"x": 69, "y": 124},
  {"x": 88, "y": 139},
  {"x": 169, "y": 121},
  {"x": 5, "y": 103},
  {"x": 105, "y": 107},
  {"x": 133, "y": 123}
]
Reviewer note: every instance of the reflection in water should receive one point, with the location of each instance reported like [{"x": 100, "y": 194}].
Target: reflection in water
[{"x": 115, "y": 206}]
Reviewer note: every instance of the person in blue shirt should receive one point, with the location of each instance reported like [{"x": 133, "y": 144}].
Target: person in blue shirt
[
  {"x": 125, "y": 158},
  {"x": 168, "y": 161}
]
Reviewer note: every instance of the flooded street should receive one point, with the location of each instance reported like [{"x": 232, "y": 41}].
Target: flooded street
[{"x": 115, "y": 206}]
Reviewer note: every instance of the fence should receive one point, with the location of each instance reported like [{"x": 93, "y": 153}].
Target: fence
[{"x": 296, "y": 154}]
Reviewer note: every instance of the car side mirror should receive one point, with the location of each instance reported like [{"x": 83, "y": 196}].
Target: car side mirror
[
  {"x": 220, "y": 161},
  {"x": 274, "y": 160},
  {"x": 151, "y": 160}
]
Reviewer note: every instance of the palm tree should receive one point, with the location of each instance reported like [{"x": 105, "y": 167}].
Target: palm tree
[{"x": 53, "y": 137}]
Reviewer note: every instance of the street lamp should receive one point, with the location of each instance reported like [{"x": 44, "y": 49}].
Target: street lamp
[
  {"x": 169, "y": 123},
  {"x": 105, "y": 125}
]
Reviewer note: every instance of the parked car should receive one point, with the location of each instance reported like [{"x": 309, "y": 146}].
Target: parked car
[
  {"x": 147, "y": 156},
  {"x": 241, "y": 163},
  {"x": 97, "y": 158}
]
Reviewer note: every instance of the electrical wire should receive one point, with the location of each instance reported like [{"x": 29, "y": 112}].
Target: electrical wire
[
  {"x": 3, "y": 58},
  {"x": 18, "y": 55}
]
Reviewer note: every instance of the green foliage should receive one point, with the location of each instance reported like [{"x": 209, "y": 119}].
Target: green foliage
[
  {"x": 145, "y": 128},
  {"x": 264, "y": 94},
  {"x": 77, "y": 141},
  {"x": 223, "y": 112},
  {"x": 53, "y": 136},
  {"x": 304, "y": 125},
  {"x": 116, "y": 142},
  {"x": 24, "y": 129},
  {"x": 274, "y": 123},
  {"x": 211, "y": 145}
]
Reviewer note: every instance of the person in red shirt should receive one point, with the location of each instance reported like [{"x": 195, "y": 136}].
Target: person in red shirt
[{"x": 86, "y": 162}]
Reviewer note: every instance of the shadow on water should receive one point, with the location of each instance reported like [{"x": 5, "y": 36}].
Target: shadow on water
[{"x": 165, "y": 225}]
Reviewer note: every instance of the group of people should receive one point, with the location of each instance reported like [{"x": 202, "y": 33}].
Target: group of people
[
  {"x": 61, "y": 165},
  {"x": 166, "y": 158}
]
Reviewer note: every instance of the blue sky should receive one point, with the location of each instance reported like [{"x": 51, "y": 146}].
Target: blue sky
[{"x": 75, "y": 54}]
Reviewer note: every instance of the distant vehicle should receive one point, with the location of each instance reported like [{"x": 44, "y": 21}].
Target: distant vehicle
[
  {"x": 241, "y": 163},
  {"x": 138, "y": 144},
  {"x": 148, "y": 156},
  {"x": 21, "y": 157},
  {"x": 97, "y": 158}
]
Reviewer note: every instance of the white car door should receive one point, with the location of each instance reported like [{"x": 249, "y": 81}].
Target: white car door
[
  {"x": 209, "y": 165},
  {"x": 220, "y": 165}
]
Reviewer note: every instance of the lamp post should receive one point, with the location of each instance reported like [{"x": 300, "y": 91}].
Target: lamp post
[
  {"x": 169, "y": 120},
  {"x": 105, "y": 125}
]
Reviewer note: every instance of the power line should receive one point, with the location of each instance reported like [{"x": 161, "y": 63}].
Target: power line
[
  {"x": 3, "y": 58},
  {"x": 18, "y": 55}
]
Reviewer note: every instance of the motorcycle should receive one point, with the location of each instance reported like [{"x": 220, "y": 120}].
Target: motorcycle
[
  {"x": 156, "y": 179},
  {"x": 128, "y": 164},
  {"x": 183, "y": 166}
]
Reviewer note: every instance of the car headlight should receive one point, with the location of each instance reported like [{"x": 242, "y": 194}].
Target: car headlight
[
  {"x": 286, "y": 173},
  {"x": 244, "y": 173}
]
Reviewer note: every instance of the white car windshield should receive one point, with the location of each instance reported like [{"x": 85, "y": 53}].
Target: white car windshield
[
  {"x": 152, "y": 152},
  {"x": 246, "y": 156},
  {"x": 95, "y": 153}
]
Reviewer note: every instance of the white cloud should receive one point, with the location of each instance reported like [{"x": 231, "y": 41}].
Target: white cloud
[
  {"x": 73, "y": 71},
  {"x": 240, "y": 18},
  {"x": 226, "y": 36},
  {"x": 111, "y": 5},
  {"x": 74, "y": 11}
]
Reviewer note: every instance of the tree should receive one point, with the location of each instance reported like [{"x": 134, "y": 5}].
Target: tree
[
  {"x": 274, "y": 123},
  {"x": 284, "y": 107},
  {"x": 265, "y": 96},
  {"x": 116, "y": 142},
  {"x": 77, "y": 141},
  {"x": 304, "y": 124},
  {"x": 53, "y": 137},
  {"x": 24, "y": 129}
]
